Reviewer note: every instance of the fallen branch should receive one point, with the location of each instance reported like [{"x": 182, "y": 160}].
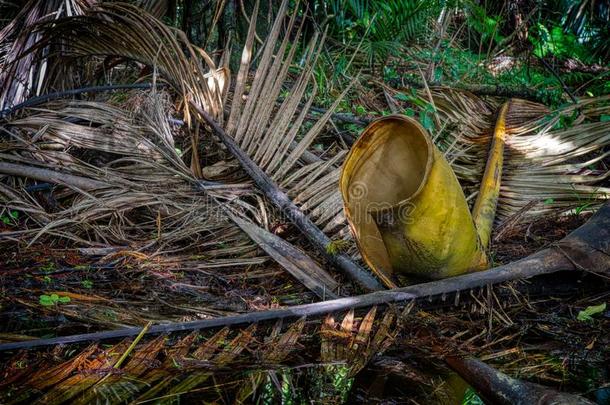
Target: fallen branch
[
  {"x": 587, "y": 248},
  {"x": 34, "y": 101},
  {"x": 479, "y": 89},
  {"x": 294, "y": 214},
  {"x": 495, "y": 387},
  {"x": 50, "y": 176}
]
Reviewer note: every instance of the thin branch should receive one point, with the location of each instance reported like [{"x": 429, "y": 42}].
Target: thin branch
[
  {"x": 51, "y": 176},
  {"x": 479, "y": 89},
  {"x": 34, "y": 101}
]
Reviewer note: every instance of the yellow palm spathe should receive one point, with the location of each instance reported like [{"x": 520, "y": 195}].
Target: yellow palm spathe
[{"x": 405, "y": 205}]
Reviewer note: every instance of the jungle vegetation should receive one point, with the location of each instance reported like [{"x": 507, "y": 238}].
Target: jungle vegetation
[{"x": 174, "y": 226}]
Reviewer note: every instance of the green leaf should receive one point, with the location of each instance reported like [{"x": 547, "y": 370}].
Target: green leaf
[
  {"x": 586, "y": 315},
  {"x": 604, "y": 118},
  {"x": 471, "y": 398},
  {"x": 49, "y": 300},
  {"x": 409, "y": 112},
  {"x": 426, "y": 121},
  {"x": 549, "y": 201},
  {"x": 360, "y": 110},
  {"x": 14, "y": 214},
  {"x": 402, "y": 97}
]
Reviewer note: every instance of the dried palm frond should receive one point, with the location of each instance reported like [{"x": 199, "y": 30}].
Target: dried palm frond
[
  {"x": 102, "y": 30},
  {"x": 271, "y": 135},
  {"x": 121, "y": 29},
  {"x": 135, "y": 189},
  {"x": 143, "y": 198},
  {"x": 562, "y": 167},
  {"x": 546, "y": 163},
  {"x": 93, "y": 35},
  {"x": 148, "y": 196},
  {"x": 23, "y": 75},
  {"x": 195, "y": 86},
  {"x": 165, "y": 369}
]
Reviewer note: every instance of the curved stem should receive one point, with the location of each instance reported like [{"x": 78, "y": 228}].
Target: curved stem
[{"x": 484, "y": 211}]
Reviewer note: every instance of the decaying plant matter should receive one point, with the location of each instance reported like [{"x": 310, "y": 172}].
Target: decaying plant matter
[{"x": 199, "y": 202}]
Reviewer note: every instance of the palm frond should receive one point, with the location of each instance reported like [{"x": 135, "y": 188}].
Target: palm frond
[
  {"x": 147, "y": 183},
  {"x": 164, "y": 369},
  {"x": 547, "y": 163},
  {"x": 185, "y": 76},
  {"x": 103, "y": 30},
  {"x": 22, "y": 74}
]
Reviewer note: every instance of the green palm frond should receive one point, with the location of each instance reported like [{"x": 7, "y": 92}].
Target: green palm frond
[{"x": 382, "y": 28}]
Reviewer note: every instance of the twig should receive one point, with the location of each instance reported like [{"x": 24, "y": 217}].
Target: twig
[
  {"x": 61, "y": 94},
  {"x": 563, "y": 84}
]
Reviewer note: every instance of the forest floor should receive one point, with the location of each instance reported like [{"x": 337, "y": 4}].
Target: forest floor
[
  {"x": 125, "y": 216},
  {"x": 537, "y": 334}
]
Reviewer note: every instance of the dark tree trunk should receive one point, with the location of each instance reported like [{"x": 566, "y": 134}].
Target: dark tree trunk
[
  {"x": 171, "y": 11},
  {"x": 226, "y": 24},
  {"x": 187, "y": 18}
]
